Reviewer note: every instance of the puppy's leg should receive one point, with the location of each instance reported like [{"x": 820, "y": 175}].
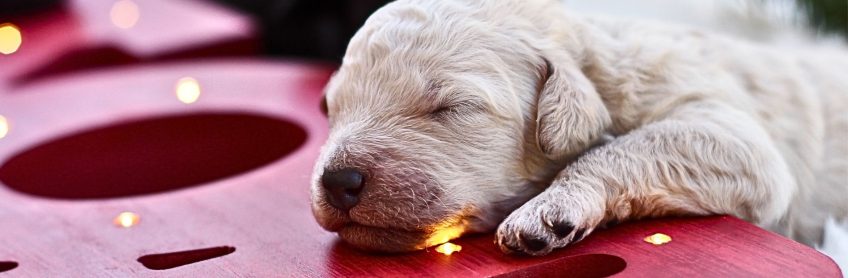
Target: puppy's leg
[{"x": 701, "y": 158}]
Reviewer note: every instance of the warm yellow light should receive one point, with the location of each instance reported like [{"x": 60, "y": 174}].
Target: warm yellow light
[
  {"x": 4, "y": 127},
  {"x": 124, "y": 14},
  {"x": 658, "y": 239},
  {"x": 10, "y": 38},
  {"x": 188, "y": 90},
  {"x": 443, "y": 235},
  {"x": 126, "y": 219},
  {"x": 448, "y": 248}
]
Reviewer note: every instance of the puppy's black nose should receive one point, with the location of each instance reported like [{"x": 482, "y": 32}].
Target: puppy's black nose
[{"x": 343, "y": 187}]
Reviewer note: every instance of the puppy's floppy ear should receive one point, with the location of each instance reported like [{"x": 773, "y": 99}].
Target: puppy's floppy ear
[
  {"x": 325, "y": 109},
  {"x": 571, "y": 116}
]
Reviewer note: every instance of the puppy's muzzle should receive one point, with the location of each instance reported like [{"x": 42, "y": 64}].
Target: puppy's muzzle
[{"x": 343, "y": 187}]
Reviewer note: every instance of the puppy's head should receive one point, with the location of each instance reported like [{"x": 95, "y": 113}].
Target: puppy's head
[{"x": 443, "y": 119}]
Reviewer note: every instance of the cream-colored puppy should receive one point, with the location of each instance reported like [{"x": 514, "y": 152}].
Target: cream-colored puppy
[{"x": 450, "y": 117}]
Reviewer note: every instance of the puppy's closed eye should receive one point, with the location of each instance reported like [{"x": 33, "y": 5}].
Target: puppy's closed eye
[{"x": 458, "y": 109}]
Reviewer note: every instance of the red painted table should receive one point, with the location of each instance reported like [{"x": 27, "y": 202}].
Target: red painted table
[
  {"x": 89, "y": 34},
  {"x": 232, "y": 170}
]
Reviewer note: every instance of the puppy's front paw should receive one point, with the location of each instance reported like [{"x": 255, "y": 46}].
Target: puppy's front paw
[{"x": 553, "y": 219}]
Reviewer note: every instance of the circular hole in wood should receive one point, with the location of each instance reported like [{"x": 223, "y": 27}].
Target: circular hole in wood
[
  {"x": 180, "y": 258},
  {"x": 579, "y": 266},
  {"x": 7, "y": 265},
  {"x": 150, "y": 156}
]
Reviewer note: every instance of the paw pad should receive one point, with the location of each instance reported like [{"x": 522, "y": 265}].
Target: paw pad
[
  {"x": 533, "y": 243},
  {"x": 562, "y": 229}
]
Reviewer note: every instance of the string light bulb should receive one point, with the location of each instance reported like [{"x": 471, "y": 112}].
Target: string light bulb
[
  {"x": 126, "y": 219},
  {"x": 10, "y": 38},
  {"x": 448, "y": 248},
  {"x": 4, "y": 127},
  {"x": 658, "y": 239},
  {"x": 124, "y": 14},
  {"x": 188, "y": 90}
]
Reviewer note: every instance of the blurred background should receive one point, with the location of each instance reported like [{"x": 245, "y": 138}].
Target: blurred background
[
  {"x": 44, "y": 39},
  {"x": 320, "y": 29}
]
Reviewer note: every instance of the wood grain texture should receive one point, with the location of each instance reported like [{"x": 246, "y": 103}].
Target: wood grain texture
[{"x": 265, "y": 214}]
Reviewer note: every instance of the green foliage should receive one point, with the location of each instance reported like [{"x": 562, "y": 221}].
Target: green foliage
[{"x": 827, "y": 15}]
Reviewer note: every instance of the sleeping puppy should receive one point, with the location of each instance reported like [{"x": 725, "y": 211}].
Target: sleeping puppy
[{"x": 452, "y": 117}]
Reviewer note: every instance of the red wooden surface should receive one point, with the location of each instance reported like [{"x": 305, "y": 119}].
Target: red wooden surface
[
  {"x": 81, "y": 35},
  {"x": 264, "y": 212}
]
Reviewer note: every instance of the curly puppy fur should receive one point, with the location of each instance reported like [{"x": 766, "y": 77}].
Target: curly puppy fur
[{"x": 466, "y": 116}]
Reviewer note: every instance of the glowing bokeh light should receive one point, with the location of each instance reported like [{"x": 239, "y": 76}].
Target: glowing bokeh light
[
  {"x": 124, "y": 14},
  {"x": 10, "y": 38},
  {"x": 443, "y": 235},
  {"x": 188, "y": 90},
  {"x": 658, "y": 239},
  {"x": 4, "y": 127},
  {"x": 126, "y": 219},
  {"x": 448, "y": 248}
]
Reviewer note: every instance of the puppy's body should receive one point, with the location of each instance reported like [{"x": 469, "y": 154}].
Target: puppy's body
[
  {"x": 457, "y": 112},
  {"x": 798, "y": 97}
]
